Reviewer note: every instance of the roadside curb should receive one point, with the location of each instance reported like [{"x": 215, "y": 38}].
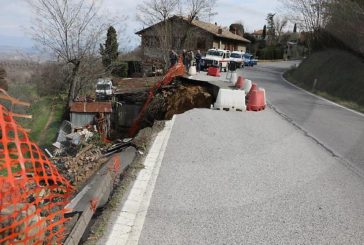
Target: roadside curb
[
  {"x": 319, "y": 97},
  {"x": 129, "y": 223}
]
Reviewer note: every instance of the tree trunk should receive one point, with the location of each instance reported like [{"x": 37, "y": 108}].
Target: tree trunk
[{"x": 73, "y": 82}]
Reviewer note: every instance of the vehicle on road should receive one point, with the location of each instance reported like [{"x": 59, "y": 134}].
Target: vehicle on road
[
  {"x": 216, "y": 58},
  {"x": 249, "y": 60},
  {"x": 237, "y": 57},
  {"x": 104, "y": 89}
]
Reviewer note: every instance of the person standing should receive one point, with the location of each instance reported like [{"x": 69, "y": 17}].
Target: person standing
[
  {"x": 184, "y": 57},
  {"x": 173, "y": 57},
  {"x": 188, "y": 60},
  {"x": 192, "y": 58},
  {"x": 198, "y": 58}
]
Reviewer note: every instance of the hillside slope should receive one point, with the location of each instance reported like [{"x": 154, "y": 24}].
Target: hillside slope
[{"x": 339, "y": 75}]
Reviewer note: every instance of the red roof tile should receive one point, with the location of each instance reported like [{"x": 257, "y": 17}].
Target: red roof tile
[{"x": 91, "y": 107}]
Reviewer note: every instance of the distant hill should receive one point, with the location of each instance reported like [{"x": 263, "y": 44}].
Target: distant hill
[{"x": 8, "y": 52}]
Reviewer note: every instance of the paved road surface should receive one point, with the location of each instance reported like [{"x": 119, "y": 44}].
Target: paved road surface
[
  {"x": 338, "y": 129},
  {"x": 251, "y": 178},
  {"x": 256, "y": 178}
]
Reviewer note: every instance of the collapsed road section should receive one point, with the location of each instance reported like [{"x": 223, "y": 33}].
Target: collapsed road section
[
  {"x": 60, "y": 192},
  {"x": 91, "y": 154}
]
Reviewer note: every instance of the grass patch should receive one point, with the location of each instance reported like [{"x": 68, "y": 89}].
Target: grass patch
[
  {"x": 338, "y": 77},
  {"x": 40, "y": 109}
]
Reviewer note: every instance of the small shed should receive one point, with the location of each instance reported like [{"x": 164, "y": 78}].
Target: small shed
[{"x": 83, "y": 113}]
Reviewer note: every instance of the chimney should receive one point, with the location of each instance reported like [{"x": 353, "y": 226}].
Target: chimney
[{"x": 219, "y": 31}]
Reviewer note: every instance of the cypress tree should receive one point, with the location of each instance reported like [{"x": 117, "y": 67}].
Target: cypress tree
[
  {"x": 295, "y": 28},
  {"x": 109, "y": 50},
  {"x": 264, "y": 34}
]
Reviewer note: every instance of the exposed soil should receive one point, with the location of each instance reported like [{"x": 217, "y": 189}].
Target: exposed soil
[{"x": 176, "y": 99}]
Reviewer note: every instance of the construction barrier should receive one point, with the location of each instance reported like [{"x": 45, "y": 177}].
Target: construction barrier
[
  {"x": 192, "y": 71},
  {"x": 256, "y": 99},
  {"x": 230, "y": 99},
  {"x": 234, "y": 77},
  {"x": 247, "y": 85},
  {"x": 33, "y": 193},
  {"x": 213, "y": 71},
  {"x": 253, "y": 88},
  {"x": 239, "y": 83}
]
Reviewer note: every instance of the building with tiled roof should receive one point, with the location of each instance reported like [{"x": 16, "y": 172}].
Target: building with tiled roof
[{"x": 180, "y": 33}]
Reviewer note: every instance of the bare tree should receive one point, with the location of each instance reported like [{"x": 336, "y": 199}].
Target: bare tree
[
  {"x": 280, "y": 23},
  {"x": 71, "y": 30},
  {"x": 199, "y": 8},
  {"x": 153, "y": 11},
  {"x": 346, "y": 20},
  {"x": 310, "y": 15}
]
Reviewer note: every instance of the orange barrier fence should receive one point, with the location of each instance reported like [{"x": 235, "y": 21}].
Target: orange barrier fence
[{"x": 33, "y": 194}]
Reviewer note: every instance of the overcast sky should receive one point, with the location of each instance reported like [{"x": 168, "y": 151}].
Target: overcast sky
[{"x": 15, "y": 18}]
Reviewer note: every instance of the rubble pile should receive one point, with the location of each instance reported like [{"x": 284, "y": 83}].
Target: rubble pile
[{"x": 79, "y": 167}]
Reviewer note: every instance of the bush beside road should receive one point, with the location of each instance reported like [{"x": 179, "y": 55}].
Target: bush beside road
[{"x": 333, "y": 74}]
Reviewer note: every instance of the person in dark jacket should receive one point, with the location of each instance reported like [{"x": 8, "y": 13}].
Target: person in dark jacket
[
  {"x": 173, "y": 57},
  {"x": 184, "y": 57},
  {"x": 198, "y": 58}
]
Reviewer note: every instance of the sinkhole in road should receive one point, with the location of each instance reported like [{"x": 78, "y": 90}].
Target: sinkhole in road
[{"x": 180, "y": 96}]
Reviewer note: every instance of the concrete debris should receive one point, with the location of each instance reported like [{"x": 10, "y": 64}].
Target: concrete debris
[{"x": 80, "y": 164}]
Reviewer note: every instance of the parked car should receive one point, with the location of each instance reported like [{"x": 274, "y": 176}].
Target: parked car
[
  {"x": 249, "y": 60},
  {"x": 216, "y": 58},
  {"x": 237, "y": 57}
]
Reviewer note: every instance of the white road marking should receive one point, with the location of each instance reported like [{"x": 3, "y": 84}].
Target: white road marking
[
  {"x": 319, "y": 97},
  {"x": 129, "y": 223}
]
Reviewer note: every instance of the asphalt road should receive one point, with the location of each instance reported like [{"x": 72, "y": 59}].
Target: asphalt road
[
  {"x": 291, "y": 174},
  {"x": 338, "y": 129},
  {"x": 251, "y": 178}
]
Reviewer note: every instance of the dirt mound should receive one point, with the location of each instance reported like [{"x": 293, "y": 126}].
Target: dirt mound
[
  {"x": 176, "y": 99},
  {"x": 186, "y": 98}
]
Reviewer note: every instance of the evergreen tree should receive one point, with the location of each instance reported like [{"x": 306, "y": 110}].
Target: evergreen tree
[
  {"x": 264, "y": 34},
  {"x": 271, "y": 29},
  {"x": 109, "y": 50},
  {"x": 295, "y": 28}
]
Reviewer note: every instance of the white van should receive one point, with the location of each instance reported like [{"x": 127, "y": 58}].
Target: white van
[
  {"x": 238, "y": 58},
  {"x": 104, "y": 88},
  {"x": 216, "y": 58}
]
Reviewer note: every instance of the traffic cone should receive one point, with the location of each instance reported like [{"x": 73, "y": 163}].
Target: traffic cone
[
  {"x": 240, "y": 83},
  {"x": 256, "y": 100}
]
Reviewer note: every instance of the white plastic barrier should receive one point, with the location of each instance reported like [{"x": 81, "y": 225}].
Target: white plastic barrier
[
  {"x": 265, "y": 98},
  {"x": 192, "y": 71},
  {"x": 247, "y": 85},
  {"x": 233, "y": 78},
  {"x": 230, "y": 99}
]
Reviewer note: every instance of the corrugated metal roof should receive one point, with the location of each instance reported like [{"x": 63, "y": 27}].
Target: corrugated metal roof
[{"x": 90, "y": 107}]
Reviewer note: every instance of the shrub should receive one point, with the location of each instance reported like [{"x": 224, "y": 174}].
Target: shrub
[{"x": 119, "y": 69}]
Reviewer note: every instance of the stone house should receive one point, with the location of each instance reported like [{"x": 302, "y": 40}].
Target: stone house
[{"x": 180, "y": 33}]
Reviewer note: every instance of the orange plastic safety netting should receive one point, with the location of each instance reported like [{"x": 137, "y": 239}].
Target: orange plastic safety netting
[{"x": 33, "y": 194}]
